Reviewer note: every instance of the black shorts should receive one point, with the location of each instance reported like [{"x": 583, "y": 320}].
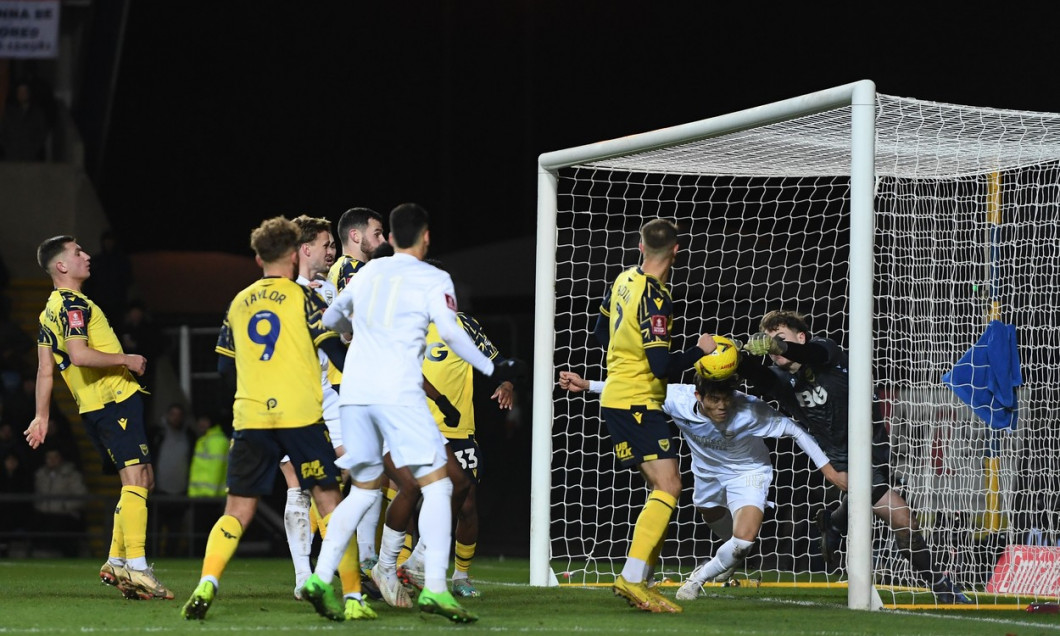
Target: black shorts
[
  {"x": 255, "y": 457},
  {"x": 468, "y": 454},
  {"x": 881, "y": 468},
  {"x": 118, "y": 434},
  {"x": 639, "y": 435}
]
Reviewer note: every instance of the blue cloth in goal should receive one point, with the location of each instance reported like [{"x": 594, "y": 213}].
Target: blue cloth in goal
[{"x": 987, "y": 375}]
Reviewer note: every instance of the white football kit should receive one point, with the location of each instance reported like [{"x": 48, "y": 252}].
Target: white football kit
[
  {"x": 730, "y": 462},
  {"x": 388, "y": 306}
]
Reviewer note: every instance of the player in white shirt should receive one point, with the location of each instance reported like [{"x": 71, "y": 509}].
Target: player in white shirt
[
  {"x": 724, "y": 429},
  {"x": 388, "y": 307}
]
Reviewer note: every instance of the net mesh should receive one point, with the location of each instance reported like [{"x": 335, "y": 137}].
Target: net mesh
[{"x": 764, "y": 225}]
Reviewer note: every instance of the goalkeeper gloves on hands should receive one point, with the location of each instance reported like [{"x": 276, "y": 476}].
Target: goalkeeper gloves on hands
[
  {"x": 509, "y": 369},
  {"x": 762, "y": 344},
  {"x": 451, "y": 414}
]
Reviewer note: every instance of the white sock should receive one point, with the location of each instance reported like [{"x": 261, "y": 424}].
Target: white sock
[
  {"x": 389, "y": 549},
  {"x": 415, "y": 561},
  {"x": 138, "y": 563},
  {"x": 117, "y": 562},
  {"x": 729, "y": 555},
  {"x": 435, "y": 523},
  {"x": 343, "y": 521},
  {"x": 366, "y": 530},
  {"x": 634, "y": 570},
  {"x": 296, "y": 525}
]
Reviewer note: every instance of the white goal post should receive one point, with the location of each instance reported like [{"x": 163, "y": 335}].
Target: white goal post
[{"x": 863, "y": 211}]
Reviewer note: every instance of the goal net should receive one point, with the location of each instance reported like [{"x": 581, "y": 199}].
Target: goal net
[{"x": 966, "y": 228}]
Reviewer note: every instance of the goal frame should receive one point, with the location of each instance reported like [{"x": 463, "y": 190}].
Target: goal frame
[{"x": 861, "y": 98}]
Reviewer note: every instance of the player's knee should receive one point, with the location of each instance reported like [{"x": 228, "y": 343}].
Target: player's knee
[
  {"x": 902, "y": 537},
  {"x": 670, "y": 484},
  {"x": 740, "y": 548},
  {"x": 366, "y": 473},
  {"x": 468, "y": 510},
  {"x": 917, "y": 542}
]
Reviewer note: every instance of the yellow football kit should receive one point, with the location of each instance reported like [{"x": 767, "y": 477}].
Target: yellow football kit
[
  {"x": 453, "y": 377},
  {"x": 639, "y": 311},
  {"x": 272, "y": 329},
  {"x": 70, "y": 315},
  {"x": 343, "y": 270}
]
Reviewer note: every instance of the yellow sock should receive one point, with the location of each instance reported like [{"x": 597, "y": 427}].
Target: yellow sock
[
  {"x": 132, "y": 514},
  {"x": 350, "y": 568},
  {"x": 651, "y": 525},
  {"x": 406, "y": 550},
  {"x": 117, "y": 537},
  {"x": 322, "y": 524},
  {"x": 653, "y": 558},
  {"x": 464, "y": 556},
  {"x": 222, "y": 544}
]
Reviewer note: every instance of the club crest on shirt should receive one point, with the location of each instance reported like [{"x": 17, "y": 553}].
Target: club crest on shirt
[
  {"x": 76, "y": 318},
  {"x": 450, "y": 302},
  {"x": 664, "y": 444}
]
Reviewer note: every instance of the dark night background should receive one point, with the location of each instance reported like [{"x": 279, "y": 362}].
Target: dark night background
[{"x": 228, "y": 112}]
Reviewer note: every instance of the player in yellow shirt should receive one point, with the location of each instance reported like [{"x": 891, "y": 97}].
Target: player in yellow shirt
[
  {"x": 360, "y": 232},
  {"x": 454, "y": 378},
  {"x": 268, "y": 342},
  {"x": 634, "y": 326},
  {"x": 75, "y": 336}
]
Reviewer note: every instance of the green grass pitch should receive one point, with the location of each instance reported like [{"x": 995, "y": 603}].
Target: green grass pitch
[{"x": 65, "y": 597}]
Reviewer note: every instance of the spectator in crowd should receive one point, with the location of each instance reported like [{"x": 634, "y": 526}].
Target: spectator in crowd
[
  {"x": 15, "y": 480},
  {"x": 139, "y": 334},
  {"x": 112, "y": 276},
  {"x": 172, "y": 448},
  {"x": 206, "y": 478},
  {"x": 24, "y": 127},
  {"x": 15, "y": 348},
  {"x": 59, "y": 489},
  {"x": 9, "y": 443},
  {"x": 19, "y": 407},
  {"x": 209, "y": 463}
]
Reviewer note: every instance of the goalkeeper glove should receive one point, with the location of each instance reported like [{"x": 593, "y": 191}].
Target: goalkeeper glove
[
  {"x": 451, "y": 414},
  {"x": 762, "y": 344},
  {"x": 507, "y": 369}
]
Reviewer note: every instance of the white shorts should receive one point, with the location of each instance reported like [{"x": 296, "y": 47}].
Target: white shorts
[
  {"x": 331, "y": 415},
  {"x": 733, "y": 491},
  {"x": 407, "y": 431}
]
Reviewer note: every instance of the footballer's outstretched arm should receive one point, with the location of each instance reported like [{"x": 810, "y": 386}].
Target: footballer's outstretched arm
[
  {"x": 665, "y": 364},
  {"x": 38, "y": 428},
  {"x": 571, "y": 381}
]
